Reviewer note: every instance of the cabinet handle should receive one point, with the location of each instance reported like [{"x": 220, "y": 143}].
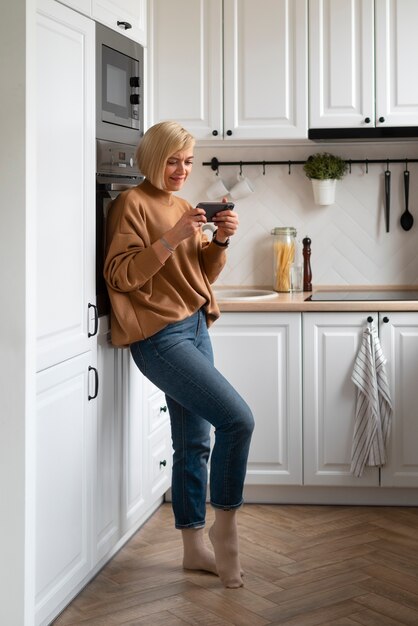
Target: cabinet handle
[
  {"x": 124, "y": 25},
  {"x": 96, "y": 320},
  {"x": 215, "y": 133},
  {"x": 367, "y": 120},
  {"x": 96, "y": 383},
  {"x": 381, "y": 120},
  {"x": 163, "y": 409},
  {"x": 229, "y": 133},
  {"x": 370, "y": 319},
  {"x": 163, "y": 463},
  {"x": 385, "y": 319}
]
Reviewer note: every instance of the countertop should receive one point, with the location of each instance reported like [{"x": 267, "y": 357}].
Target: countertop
[{"x": 298, "y": 302}]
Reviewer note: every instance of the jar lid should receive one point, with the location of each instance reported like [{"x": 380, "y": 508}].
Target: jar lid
[{"x": 284, "y": 230}]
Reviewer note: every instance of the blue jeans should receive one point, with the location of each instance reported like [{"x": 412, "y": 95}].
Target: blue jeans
[{"x": 179, "y": 360}]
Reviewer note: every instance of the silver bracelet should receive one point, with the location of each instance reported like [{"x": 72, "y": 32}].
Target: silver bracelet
[{"x": 166, "y": 244}]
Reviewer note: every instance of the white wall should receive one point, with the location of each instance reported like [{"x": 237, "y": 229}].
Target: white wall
[
  {"x": 16, "y": 366},
  {"x": 349, "y": 241}
]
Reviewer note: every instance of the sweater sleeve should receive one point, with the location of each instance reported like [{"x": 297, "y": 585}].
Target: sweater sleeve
[{"x": 130, "y": 260}]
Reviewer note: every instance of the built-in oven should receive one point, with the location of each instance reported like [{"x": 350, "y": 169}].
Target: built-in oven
[
  {"x": 119, "y": 87},
  {"x": 115, "y": 172}
]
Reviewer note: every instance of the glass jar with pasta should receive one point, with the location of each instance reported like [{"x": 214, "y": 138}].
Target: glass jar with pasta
[{"x": 284, "y": 246}]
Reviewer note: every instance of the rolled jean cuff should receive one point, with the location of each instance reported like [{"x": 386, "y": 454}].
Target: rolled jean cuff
[
  {"x": 195, "y": 525},
  {"x": 227, "y": 507}
]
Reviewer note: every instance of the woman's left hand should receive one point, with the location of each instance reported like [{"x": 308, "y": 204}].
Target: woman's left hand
[{"x": 226, "y": 222}]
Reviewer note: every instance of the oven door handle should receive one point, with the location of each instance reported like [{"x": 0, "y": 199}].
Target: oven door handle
[{"x": 120, "y": 186}]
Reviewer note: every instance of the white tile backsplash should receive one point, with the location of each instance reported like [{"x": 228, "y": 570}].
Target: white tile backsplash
[{"x": 349, "y": 241}]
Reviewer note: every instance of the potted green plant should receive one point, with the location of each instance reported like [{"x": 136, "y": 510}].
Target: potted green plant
[{"x": 324, "y": 169}]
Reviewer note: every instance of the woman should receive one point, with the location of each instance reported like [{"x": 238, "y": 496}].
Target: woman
[{"x": 159, "y": 268}]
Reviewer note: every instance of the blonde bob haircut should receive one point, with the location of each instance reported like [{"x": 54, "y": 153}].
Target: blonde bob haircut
[{"x": 159, "y": 143}]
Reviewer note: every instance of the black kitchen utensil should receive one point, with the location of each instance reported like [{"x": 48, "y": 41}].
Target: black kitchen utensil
[
  {"x": 387, "y": 199},
  {"x": 406, "y": 218}
]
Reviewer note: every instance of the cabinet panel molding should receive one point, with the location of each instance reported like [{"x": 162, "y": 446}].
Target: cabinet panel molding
[
  {"x": 260, "y": 354},
  {"x": 399, "y": 339},
  {"x": 64, "y": 470},
  {"x": 65, "y": 213},
  {"x": 331, "y": 343}
]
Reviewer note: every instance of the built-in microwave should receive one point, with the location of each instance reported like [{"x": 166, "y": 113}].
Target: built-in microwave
[{"x": 119, "y": 87}]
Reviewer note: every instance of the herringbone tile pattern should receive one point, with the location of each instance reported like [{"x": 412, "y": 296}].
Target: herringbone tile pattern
[
  {"x": 304, "y": 566},
  {"x": 350, "y": 245}
]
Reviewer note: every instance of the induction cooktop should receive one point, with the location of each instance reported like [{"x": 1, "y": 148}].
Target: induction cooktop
[{"x": 363, "y": 295}]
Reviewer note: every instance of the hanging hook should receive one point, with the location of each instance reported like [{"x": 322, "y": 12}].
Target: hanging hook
[
  {"x": 290, "y": 168},
  {"x": 264, "y": 168},
  {"x": 406, "y": 165},
  {"x": 387, "y": 165},
  {"x": 214, "y": 163},
  {"x": 367, "y": 166},
  {"x": 349, "y": 166},
  {"x": 240, "y": 168}
]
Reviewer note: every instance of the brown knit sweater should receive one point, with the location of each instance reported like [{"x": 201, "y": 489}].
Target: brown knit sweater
[{"x": 146, "y": 294}]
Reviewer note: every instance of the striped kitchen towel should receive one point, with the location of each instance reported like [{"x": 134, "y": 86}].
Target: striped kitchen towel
[{"x": 373, "y": 406}]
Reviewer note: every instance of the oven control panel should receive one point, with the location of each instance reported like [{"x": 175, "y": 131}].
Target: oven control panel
[{"x": 116, "y": 159}]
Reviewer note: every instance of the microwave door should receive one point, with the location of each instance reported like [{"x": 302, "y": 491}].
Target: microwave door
[{"x": 120, "y": 94}]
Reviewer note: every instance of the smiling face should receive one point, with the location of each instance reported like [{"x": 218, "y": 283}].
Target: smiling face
[{"x": 177, "y": 169}]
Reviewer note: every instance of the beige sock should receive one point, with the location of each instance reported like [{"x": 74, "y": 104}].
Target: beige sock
[
  {"x": 196, "y": 555},
  {"x": 224, "y": 538}
]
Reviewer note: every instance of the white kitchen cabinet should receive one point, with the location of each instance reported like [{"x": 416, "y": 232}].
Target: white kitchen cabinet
[
  {"x": 125, "y": 16},
  {"x": 66, "y": 326},
  {"x": 128, "y": 17},
  {"x": 82, "y": 6},
  {"x": 330, "y": 345},
  {"x": 396, "y": 49},
  {"x": 134, "y": 496},
  {"x": 108, "y": 439},
  {"x": 64, "y": 453},
  {"x": 159, "y": 441},
  {"x": 146, "y": 445},
  {"x": 260, "y": 354},
  {"x": 65, "y": 167},
  {"x": 185, "y": 78},
  {"x": 359, "y": 58},
  {"x": 246, "y": 67},
  {"x": 399, "y": 339}
]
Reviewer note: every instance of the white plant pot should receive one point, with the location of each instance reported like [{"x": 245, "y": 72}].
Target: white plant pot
[{"x": 324, "y": 191}]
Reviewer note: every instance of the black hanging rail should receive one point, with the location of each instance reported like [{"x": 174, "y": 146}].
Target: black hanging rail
[{"x": 215, "y": 164}]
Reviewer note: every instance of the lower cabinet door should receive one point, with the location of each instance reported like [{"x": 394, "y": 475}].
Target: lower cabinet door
[
  {"x": 161, "y": 453},
  {"x": 331, "y": 342},
  {"x": 160, "y": 448},
  {"x": 399, "y": 339},
  {"x": 64, "y": 471},
  {"x": 108, "y": 446},
  {"x": 260, "y": 355},
  {"x": 134, "y": 495}
]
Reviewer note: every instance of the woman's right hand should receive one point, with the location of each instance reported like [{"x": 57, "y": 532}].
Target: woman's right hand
[{"x": 189, "y": 223}]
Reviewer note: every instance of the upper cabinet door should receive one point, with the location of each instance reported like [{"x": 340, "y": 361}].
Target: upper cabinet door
[
  {"x": 341, "y": 63},
  {"x": 396, "y": 55},
  {"x": 126, "y": 16},
  {"x": 265, "y": 69},
  {"x": 186, "y": 65},
  {"x": 65, "y": 166}
]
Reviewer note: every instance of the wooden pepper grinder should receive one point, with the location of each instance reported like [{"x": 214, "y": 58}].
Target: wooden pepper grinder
[{"x": 307, "y": 272}]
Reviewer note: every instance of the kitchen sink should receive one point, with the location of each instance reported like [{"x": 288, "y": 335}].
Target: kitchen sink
[{"x": 243, "y": 293}]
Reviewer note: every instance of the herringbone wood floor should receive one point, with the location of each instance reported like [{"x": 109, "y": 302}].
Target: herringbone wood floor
[{"x": 304, "y": 565}]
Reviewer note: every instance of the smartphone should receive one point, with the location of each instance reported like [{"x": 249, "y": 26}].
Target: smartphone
[{"x": 214, "y": 207}]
